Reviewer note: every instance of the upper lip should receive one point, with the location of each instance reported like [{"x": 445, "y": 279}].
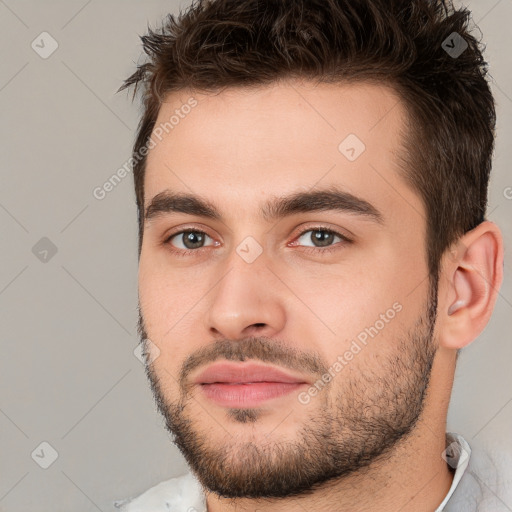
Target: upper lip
[{"x": 235, "y": 373}]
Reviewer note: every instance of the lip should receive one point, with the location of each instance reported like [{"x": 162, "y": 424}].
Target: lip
[
  {"x": 246, "y": 384},
  {"x": 245, "y": 373}
]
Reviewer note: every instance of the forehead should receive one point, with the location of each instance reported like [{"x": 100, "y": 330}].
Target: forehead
[{"x": 246, "y": 143}]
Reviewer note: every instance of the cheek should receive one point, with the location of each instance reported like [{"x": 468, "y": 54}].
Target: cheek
[
  {"x": 343, "y": 307},
  {"x": 375, "y": 299},
  {"x": 166, "y": 291},
  {"x": 169, "y": 304}
]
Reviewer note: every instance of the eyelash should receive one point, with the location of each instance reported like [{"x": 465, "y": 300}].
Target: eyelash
[{"x": 314, "y": 250}]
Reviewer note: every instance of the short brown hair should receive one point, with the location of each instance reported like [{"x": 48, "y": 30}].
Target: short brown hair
[{"x": 448, "y": 149}]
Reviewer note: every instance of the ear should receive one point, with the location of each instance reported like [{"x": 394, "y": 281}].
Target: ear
[{"x": 471, "y": 276}]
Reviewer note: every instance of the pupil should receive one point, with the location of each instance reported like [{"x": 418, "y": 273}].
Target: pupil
[
  {"x": 324, "y": 240},
  {"x": 193, "y": 240}
]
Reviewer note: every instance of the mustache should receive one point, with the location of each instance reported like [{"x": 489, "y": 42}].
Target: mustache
[
  {"x": 259, "y": 348},
  {"x": 256, "y": 348}
]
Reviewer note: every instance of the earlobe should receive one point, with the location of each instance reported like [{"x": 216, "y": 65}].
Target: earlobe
[{"x": 473, "y": 277}]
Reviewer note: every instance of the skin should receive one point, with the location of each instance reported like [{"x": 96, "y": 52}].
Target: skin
[{"x": 237, "y": 149}]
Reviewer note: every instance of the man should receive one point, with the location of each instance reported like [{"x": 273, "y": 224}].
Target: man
[{"x": 311, "y": 180}]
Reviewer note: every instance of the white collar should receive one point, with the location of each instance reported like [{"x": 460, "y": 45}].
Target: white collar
[{"x": 457, "y": 455}]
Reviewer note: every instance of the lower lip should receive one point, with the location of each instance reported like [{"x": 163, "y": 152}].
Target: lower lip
[{"x": 247, "y": 395}]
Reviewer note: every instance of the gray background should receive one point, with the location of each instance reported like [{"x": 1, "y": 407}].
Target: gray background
[{"x": 69, "y": 376}]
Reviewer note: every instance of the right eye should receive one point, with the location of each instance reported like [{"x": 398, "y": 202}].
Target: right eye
[{"x": 187, "y": 241}]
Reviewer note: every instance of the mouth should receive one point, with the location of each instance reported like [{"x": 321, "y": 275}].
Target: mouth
[{"x": 246, "y": 384}]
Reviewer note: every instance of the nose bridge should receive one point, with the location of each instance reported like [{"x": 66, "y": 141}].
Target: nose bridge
[
  {"x": 247, "y": 260},
  {"x": 246, "y": 294}
]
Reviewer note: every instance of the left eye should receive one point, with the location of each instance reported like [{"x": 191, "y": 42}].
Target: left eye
[{"x": 323, "y": 237}]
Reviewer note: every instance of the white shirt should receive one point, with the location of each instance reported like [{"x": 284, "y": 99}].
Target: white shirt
[{"x": 474, "y": 487}]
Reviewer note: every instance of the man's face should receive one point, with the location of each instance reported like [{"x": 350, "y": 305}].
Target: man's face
[{"x": 346, "y": 315}]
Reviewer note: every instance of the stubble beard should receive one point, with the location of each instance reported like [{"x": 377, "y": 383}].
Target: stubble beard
[{"x": 343, "y": 434}]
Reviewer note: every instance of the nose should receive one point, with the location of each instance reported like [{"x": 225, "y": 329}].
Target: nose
[{"x": 248, "y": 300}]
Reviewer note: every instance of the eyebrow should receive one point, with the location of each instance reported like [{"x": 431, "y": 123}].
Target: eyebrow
[{"x": 329, "y": 199}]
